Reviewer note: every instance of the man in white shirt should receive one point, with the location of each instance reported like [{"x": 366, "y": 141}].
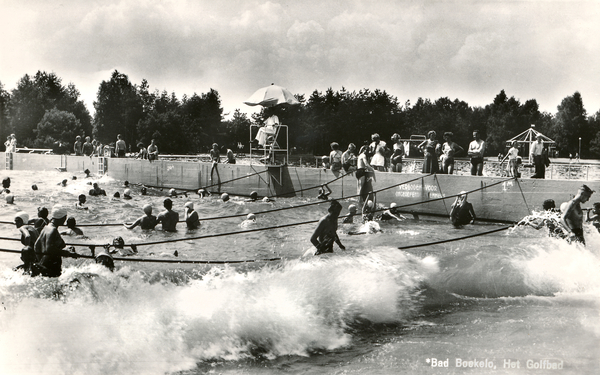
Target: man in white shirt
[
  {"x": 475, "y": 152},
  {"x": 537, "y": 155}
]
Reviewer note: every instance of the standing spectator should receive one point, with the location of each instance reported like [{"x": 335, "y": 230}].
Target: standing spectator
[
  {"x": 537, "y": 155},
  {"x": 120, "y": 147},
  {"x": 88, "y": 148},
  {"x": 7, "y": 144},
  {"x": 431, "y": 148},
  {"x": 513, "y": 160},
  {"x": 152, "y": 150},
  {"x": 377, "y": 149},
  {"x": 335, "y": 157},
  {"x": 11, "y": 143},
  {"x": 475, "y": 152},
  {"x": 78, "y": 146},
  {"x": 397, "y": 153},
  {"x": 364, "y": 175},
  {"x": 449, "y": 149},
  {"x": 349, "y": 158}
]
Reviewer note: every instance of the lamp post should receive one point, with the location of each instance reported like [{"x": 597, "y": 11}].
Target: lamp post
[{"x": 579, "y": 149}]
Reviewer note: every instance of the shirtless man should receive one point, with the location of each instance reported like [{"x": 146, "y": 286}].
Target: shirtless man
[
  {"x": 120, "y": 147},
  {"x": 148, "y": 221},
  {"x": 168, "y": 218},
  {"x": 326, "y": 232},
  {"x": 28, "y": 237},
  {"x": 572, "y": 214}
]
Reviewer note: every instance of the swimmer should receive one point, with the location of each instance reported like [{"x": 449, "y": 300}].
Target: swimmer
[
  {"x": 253, "y": 197},
  {"x": 267, "y": 200},
  {"x": 10, "y": 199},
  {"x": 146, "y": 222},
  {"x": 28, "y": 237},
  {"x": 168, "y": 218},
  {"x": 324, "y": 195},
  {"x": 63, "y": 183},
  {"x": 127, "y": 194},
  {"x": 368, "y": 211},
  {"x": 191, "y": 217},
  {"x": 80, "y": 205},
  {"x": 572, "y": 214},
  {"x": 461, "y": 211},
  {"x": 105, "y": 259},
  {"x": 593, "y": 216},
  {"x": 119, "y": 245},
  {"x": 5, "y": 184},
  {"x": 117, "y": 195},
  {"x": 42, "y": 219},
  {"x": 203, "y": 193},
  {"x": 74, "y": 178},
  {"x": 143, "y": 190},
  {"x": 87, "y": 173},
  {"x": 72, "y": 229},
  {"x": 50, "y": 247},
  {"x": 352, "y": 212},
  {"x": 391, "y": 213},
  {"x": 126, "y": 183},
  {"x": 250, "y": 220},
  {"x": 34, "y": 187},
  {"x": 172, "y": 193},
  {"x": 224, "y": 197},
  {"x": 326, "y": 232},
  {"x": 96, "y": 190}
]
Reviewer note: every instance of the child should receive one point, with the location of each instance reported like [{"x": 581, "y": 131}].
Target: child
[
  {"x": 335, "y": 157},
  {"x": 80, "y": 204}
]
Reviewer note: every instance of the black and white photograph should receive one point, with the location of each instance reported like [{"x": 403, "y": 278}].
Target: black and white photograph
[{"x": 267, "y": 187}]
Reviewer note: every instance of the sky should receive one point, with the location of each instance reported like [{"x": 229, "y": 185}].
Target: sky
[{"x": 466, "y": 50}]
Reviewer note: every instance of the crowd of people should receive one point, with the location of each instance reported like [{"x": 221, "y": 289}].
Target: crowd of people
[{"x": 438, "y": 157}]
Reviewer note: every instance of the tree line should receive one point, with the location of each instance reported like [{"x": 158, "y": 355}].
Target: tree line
[{"x": 41, "y": 111}]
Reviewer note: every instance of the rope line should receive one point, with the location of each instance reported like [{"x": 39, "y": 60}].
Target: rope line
[
  {"x": 454, "y": 239},
  {"x": 312, "y": 187},
  {"x": 180, "y": 261}
]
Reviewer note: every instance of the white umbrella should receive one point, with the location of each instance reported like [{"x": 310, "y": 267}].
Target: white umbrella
[{"x": 271, "y": 96}]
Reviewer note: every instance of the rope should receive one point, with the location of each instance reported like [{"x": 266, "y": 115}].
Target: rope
[
  {"x": 180, "y": 261},
  {"x": 312, "y": 187},
  {"x": 523, "y": 195},
  {"x": 454, "y": 239}
]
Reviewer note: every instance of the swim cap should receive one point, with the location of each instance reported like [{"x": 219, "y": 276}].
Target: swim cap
[
  {"x": 254, "y": 195},
  {"x": 172, "y": 192},
  {"x": 392, "y": 205},
  {"x": 10, "y": 199},
  {"x": 201, "y": 191},
  {"x": 370, "y": 203},
  {"x": 251, "y": 217},
  {"x": 23, "y": 216},
  {"x": 58, "y": 211},
  {"x": 127, "y": 192},
  {"x": 225, "y": 197},
  {"x": 148, "y": 209},
  {"x": 266, "y": 199},
  {"x": 352, "y": 208},
  {"x": 189, "y": 204}
]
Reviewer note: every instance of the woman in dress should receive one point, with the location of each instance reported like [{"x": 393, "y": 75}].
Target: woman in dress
[
  {"x": 378, "y": 149},
  {"x": 431, "y": 148}
]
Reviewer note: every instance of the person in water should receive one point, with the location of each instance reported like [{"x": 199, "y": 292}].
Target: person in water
[
  {"x": 168, "y": 218},
  {"x": 572, "y": 214},
  {"x": 326, "y": 232},
  {"x": 203, "y": 193},
  {"x": 250, "y": 220},
  {"x": 96, "y": 191},
  {"x": 80, "y": 205},
  {"x": 146, "y": 222},
  {"x": 72, "y": 229},
  {"x": 461, "y": 211},
  {"x": 191, "y": 217},
  {"x": 127, "y": 194},
  {"x": 593, "y": 216},
  {"x": 352, "y": 212},
  {"x": 324, "y": 192},
  {"x": 42, "y": 220},
  {"x": 391, "y": 214},
  {"x": 28, "y": 237},
  {"x": 5, "y": 185},
  {"x": 50, "y": 247},
  {"x": 253, "y": 197}
]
